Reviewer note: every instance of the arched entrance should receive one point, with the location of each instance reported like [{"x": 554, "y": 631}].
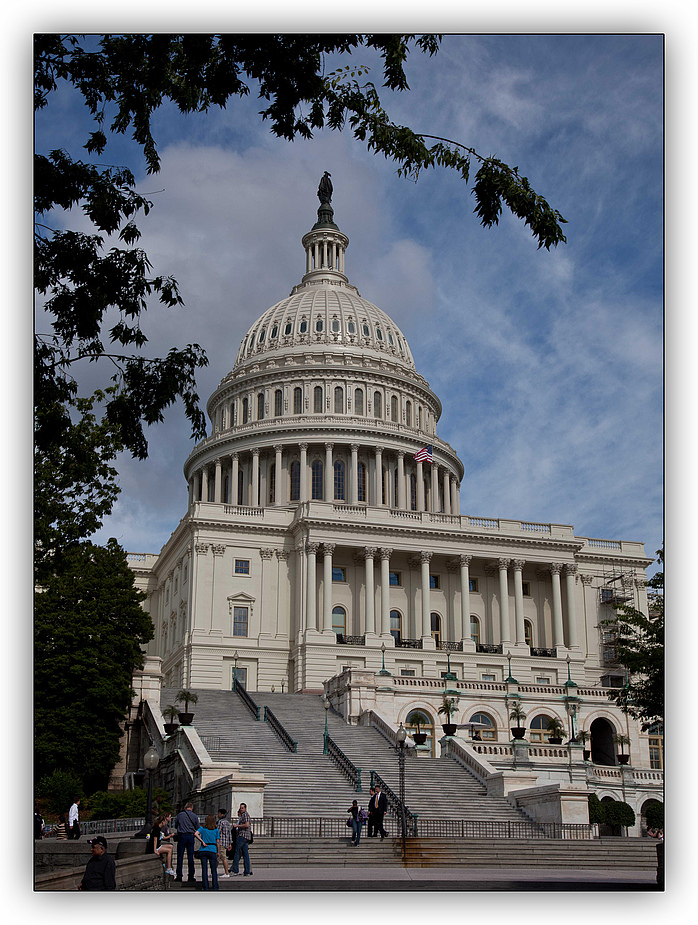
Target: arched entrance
[
  {"x": 421, "y": 721},
  {"x": 602, "y": 750}
]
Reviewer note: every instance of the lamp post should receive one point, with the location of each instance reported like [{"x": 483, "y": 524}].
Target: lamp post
[
  {"x": 510, "y": 679},
  {"x": 326, "y": 705},
  {"x": 401, "y": 735},
  {"x": 235, "y": 670},
  {"x": 151, "y": 759},
  {"x": 383, "y": 671}
]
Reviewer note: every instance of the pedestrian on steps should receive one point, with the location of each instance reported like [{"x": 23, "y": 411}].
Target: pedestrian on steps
[
  {"x": 225, "y": 838},
  {"x": 380, "y": 808},
  {"x": 356, "y": 819},
  {"x": 243, "y": 838},
  {"x": 371, "y": 830},
  {"x": 207, "y": 834}
]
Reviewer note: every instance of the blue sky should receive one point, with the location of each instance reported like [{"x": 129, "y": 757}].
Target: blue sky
[{"x": 548, "y": 365}]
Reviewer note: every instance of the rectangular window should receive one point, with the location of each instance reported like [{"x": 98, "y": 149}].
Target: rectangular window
[
  {"x": 241, "y": 675},
  {"x": 489, "y": 677},
  {"x": 395, "y": 579},
  {"x": 656, "y": 756},
  {"x": 407, "y": 672},
  {"x": 240, "y": 615},
  {"x": 526, "y": 588},
  {"x": 435, "y": 582},
  {"x": 473, "y": 584},
  {"x": 339, "y": 573},
  {"x": 242, "y": 566},
  {"x": 542, "y": 680}
]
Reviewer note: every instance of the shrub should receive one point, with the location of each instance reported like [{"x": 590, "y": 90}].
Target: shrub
[
  {"x": 128, "y": 804},
  {"x": 597, "y": 809},
  {"x": 655, "y": 815},
  {"x": 619, "y": 814},
  {"x": 58, "y": 790}
]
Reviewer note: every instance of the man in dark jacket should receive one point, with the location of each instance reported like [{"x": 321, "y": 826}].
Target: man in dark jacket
[
  {"x": 100, "y": 873},
  {"x": 380, "y": 807},
  {"x": 187, "y": 822}
]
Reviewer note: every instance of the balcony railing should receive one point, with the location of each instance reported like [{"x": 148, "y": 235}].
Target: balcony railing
[
  {"x": 450, "y": 646},
  {"x": 489, "y": 648},
  {"x": 543, "y": 653},
  {"x": 408, "y": 643},
  {"x": 351, "y": 640}
]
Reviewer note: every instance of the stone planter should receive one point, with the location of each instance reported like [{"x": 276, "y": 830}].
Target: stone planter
[
  {"x": 420, "y": 737},
  {"x": 450, "y": 729},
  {"x": 186, "y": 719},
  {"x": 623, "y": 759},
  {"x": 554, "y": 740},
  {"x": 518, "y": 732},
  {"x": 171, "y": 728}
]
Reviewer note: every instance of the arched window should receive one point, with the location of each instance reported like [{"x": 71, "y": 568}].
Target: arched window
[
  {"x": 261, "y": 335},
  {"x": 475, "y": 629},
  {"x": 539, "y": 732},
  {"x": 317, "y": 399},
  {"x": 361, "y": 480},
  {"x": 358, "y": 402},
  {"x": 288, "y": 328},
  {"x": 351, "y": 327},
  {"x": 393, "y": 409},
  {"x": 396, "y": 625},
  {"x": 489, "y": 733},
  {"x": 528, "y": 632},
  {"x": 413, "y": 492},
  {"x": 295, "y": 481},
  {"x": 298, "y": 400},
  {"x": 656, "y": 744},
  {"x": 339, "y": 481},
  {"x": 241, "y": 486},
  {"x": 316, "y": 480},
  {"x": 245, "y": 411},
  {"x": 338, "y": 400},
  {"x": 272, "y": 483},
  {"x": 303, "y": 327},
  {"x": 278, "y": 403},
  {"x": 377, "y": 409},
  {"x": 436, "y": 628},
  {"x": 260, "y": 406},
  {"x": 319, "y": 325},
  {"x": 408, "y": 413},
  {"x": 339, "y": 620}
]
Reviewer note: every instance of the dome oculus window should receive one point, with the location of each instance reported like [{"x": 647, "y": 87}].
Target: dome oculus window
[
  {"x": 289, "y": 328},
  {"x": 319, "y": 324},
  {"x": 303, "y": 327},
  {"x": 274, "y": 332},
  {"x": 366, "y": 330},
  {"x": 335, "y": 326},
  {"x": 262, "y": 334},
  {"x": 351, "y": 327},
  {"x": 379, "y": 334}
]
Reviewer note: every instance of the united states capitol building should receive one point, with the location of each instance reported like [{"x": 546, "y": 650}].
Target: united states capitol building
[{"x": 323, "y": 550}]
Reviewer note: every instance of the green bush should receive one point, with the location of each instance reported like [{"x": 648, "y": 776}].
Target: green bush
[
  {"x": 58, "y": 790},
  {"x": 597, "y": 809},
  {"x": 127, "y": 804},
  {"x": 619, "y": 814},
  {"x": 655, "y": 815}
]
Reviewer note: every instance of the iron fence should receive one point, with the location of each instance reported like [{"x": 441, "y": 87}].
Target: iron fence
[{"x": 281, "y": 732}]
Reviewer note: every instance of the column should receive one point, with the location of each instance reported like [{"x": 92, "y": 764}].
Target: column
[
  {"x": 424, "y": 560},
  {"x": 191, "y": 490},
  {"x": 354, "y": 476},
  {"x": 558, "y": 635},
  {"x": 304, "y": 471},
  {"x": 401, "y": 480},
  {"x": 572, "y": 634},
  {"x": 379, "y": 476},
  {"x": 420, "y": 487},
  {"x": 518, "y": 565},
  {"x": 504, "y": 628},
  {"x": 234, "y": 478},
  {"x": 217, "y": 482},
  {"x": 455, "y": 497},
  {"x": 464, "y": 562},
  {"x": 447, "y": 497},
  {"x": 254, "y": 500},
  {"x": 385, "y": 591},
  {"x": 435, "y": 506},
  {"x": 327, "y": 550},
  {"x": 278, "y": 493},
  {"x": 311, "y": 593},
  {"x": 329, "y": 473},
  {"x": 204, "y": 484},
  {"x": 370, "y": 617}
]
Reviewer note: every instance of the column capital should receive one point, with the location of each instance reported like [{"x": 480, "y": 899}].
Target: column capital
[
  {"x": 425, "y": 556},
  {"x": 518, "y": 564},
  {"x": 503, "y": 563},
  {"x": 217, "y": 461},
  {"x": 283, "y": 554},
  {"x": 555, "y": 568},
  {"x": 255, "y": 451},
  {"x": 235, "y": 455},
  {"x": 278, "y": 448},
  {"x": 571, "y": 568},
  {"x": 312, "y": 548},
  {"x": 400, "y": 454},
  {"x": 329, "y": 446},
  {"x": 303, "y": 447},
  {"x": 464, "y": 560},
  {"x": 370, "y": 552},
  {"x": 266, "y": 553},
  {"x": 586, "y": 579},
  {"x": 354, "y": 447},
  {"x": 328, "y": 548},
  {"x": 201, "y": 548},
  {"x": 379, "y": 449},
  {"x": 386, "y": 552},
  {"x": 218, "y": 549}
]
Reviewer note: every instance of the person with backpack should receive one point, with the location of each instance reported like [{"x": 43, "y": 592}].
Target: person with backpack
[{"x": 358, "y": 817}]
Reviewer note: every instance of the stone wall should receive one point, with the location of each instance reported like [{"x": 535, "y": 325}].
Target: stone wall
[{"x": 141, "y": 873}]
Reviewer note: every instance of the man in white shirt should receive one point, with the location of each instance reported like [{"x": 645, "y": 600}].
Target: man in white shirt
[{"x": 73, "y": 824}]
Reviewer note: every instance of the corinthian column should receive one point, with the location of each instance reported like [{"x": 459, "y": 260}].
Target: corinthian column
[
  {"x": 385, "y": 591},
  {"x": 311, "y": 596},
  {"x": 420, "y": 487},
  {"x": 354, "y": 475},
  {"x": 435, "y": 489},
  {"x": 572, "y": 635},
  {"x": 217, "y": 481},
  {"x": 370, "y": 619},
  {"x": 254, "y": 501},
  {"x": 327, "y": 550},
  {"x": 277, "y": 475},
  {"x": 304, "y": 471},
  {"x": 504, "y": 628},
  {"x": 518, "y": 565},
  {"x": 234, "y": 478},
  {"x": 558, "y": 634},
  {"x": 379, "y": 476},
  {"x": 401, "y": 480},
  {"x": 329, "y": 473},
  {"x": 204, "y": 483},
  {"x": 447, "y": 499},
  {"x": 464, "y": 562},
  {"x": 424, "y": 560}
]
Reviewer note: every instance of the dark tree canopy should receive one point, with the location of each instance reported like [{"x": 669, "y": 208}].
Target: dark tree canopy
[
  {"x": 88, "y": 632},
  {"x": 639, "y": 645}
]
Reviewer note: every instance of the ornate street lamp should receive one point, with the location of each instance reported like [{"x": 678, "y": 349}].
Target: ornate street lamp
[
  {"x": 151, "y": 760},
  {"x": 401, "y": 736},
  {"x": 510, "y": 679},
  {"x": 235, "y": 670},
  {"x": 326, "y": 705},
  {"x": 383, "y": 672}
]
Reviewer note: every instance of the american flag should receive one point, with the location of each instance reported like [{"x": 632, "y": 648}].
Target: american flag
[{"x": 425, "y": 454}]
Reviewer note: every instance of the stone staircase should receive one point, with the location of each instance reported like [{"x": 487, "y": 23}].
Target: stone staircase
[{"x": 307, "y": 783}]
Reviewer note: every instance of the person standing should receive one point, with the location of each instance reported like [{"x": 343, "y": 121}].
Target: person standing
[
  {"x": 61, "y": 829},
  {"x": 186, "y": 823},
  {"x": 38, "y": 822},
  {"x": 225, "y": 839},
  {"x": 356, "y": 823},
  {"x": 100, "y": 872},
  {"x": 371, "y": 831},
  {"x": 207, "y": 834},
  {"x": 243, "y": 833},
  {"x": 73, "y": 820},
  {"x": 380, "y": 808}
]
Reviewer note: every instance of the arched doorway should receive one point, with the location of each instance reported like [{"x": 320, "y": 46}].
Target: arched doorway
[
  {"x": 652, "y": 815},
  {"x": 602, "y": 750},
  {"x": 421, "y": 721}
]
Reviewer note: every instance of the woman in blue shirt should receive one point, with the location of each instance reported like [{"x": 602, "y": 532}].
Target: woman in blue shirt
[{"x": 208, "y": 853}]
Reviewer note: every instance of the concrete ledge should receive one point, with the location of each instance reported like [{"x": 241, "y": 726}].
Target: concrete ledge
[{"x": 143, "y": 874}]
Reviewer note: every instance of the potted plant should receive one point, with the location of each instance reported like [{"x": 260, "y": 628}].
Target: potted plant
[
  {"x": 419, "y": 737},
  {"x": 517, "y": 716},
  {"x": 170, "y": 713},
  {"x": 622, "y": 740},
  {"x": 448, "y": 708},
  {"x": 583, "y": 736},
  {"x": 556, "y": 729},
  {"x": 186, "y": 697}
]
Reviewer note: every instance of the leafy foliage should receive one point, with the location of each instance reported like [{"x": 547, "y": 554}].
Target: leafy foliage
[
  {"x": 58, "y": 789},
  {"x": 596, "y": 809},
  {"x": 639, "y": 644},
  {"x": 448, "y": 708},
  {"x": 655, "y": 815},
  {"x": 129, "y": 804},
  {"x": 89, "y": 627},
  {"x": 617, "y": 813}
]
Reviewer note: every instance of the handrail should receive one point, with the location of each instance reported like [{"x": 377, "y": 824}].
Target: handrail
[
  {"x": 395, "y": 804},
  {"x": 273, "y": 721},
  {"x": 345, "y": 764},
  {"x": 246, "y": 699}
]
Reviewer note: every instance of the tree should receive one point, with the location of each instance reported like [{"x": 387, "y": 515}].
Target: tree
[
  {"x": 89, "y": 627},
  {"x": 639, "y": 646},
  {"x": 129, "y": 77}
]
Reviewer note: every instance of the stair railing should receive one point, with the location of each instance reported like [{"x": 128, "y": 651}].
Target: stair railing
[
  {"x": 395, "y": 805},
  {"x": 270, "y": 718},
  {"x": 246, "y": 699},
  {"x": 345, "y": 764}
]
